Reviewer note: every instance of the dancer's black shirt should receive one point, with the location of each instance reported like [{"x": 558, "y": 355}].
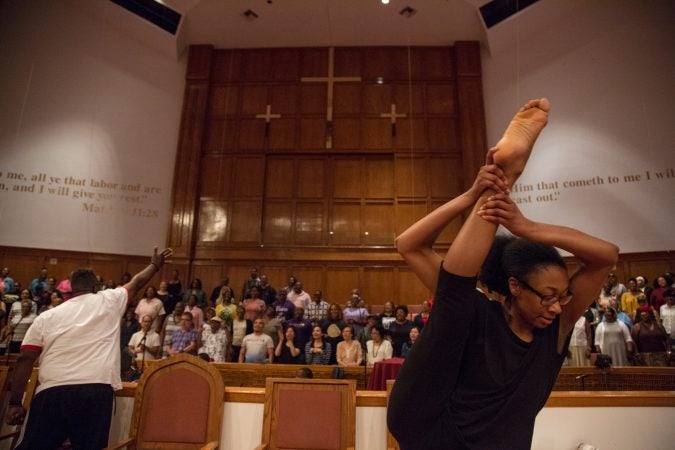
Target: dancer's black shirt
[{"x": 469, "y": 381}]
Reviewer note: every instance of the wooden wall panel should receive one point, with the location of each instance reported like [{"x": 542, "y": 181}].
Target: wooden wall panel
[
  {"x": 312, "y": 133},
  {"x": 254, "y": 99},
  {"x": 442, "y": 134},
  {"x": 378, "y": 223},
  {"x": 348, "y": 62},
  {"x": 282, "y": 134},
  {"x": 238, "y": 273},
  {"x": 348, "y": 178},
  {"x": 311, "y": 278},
  {"x": 226, "y": 66},
  {"x": 408, "y": 213},
  {"x": 432, "y": 63},
  {"x": 376, "y": 134},
  {"x": 379, "y": 285},
  {"x": 651, "y": 269},
  {"x": 347, "y": 98},
  {"x": 186, "y": 171},
  {"x": 62, "y": 267},
  {"x": 446, "y": 177},
  {"x": 245, "y": 221},
  {"x": 409, "y": 98},
  {"x": 388, "y": 63},
  {"x": 311, "y": 178},
  {"x": 284, "y": 99},
  {"x": 213, "y": 221},
  {"x": 220, "y": 135},
  {"x": 256, "y": 64},
  {"x": 24, "y": 268},
  {"x": 313, "y": 99},
  {"x": 249, "y": 177},
  {"x": 411, "y": 291},
  {"x": 411, "y": 135},
  {"x": 440, "y": 99},
  {"x": 339, "y": 283},
  {"x": 216, "y": 176},
  {"x": 346, "y": 133},
  {"x": 276, "y": 274},
  {"x": 314, "y": 62},
  {"x": 286, "y": 64},
  {"x": 377, "y": 98},
  {"x": 345, "y": 226},
  {"x": 109, "y": 269},
  {"x": 277, "y": 222},
  {"x": 223, "y": 100},
  {"x": 280, "y": 178},
  {"x": 251, "y": 134},
  {"x": 210, "y": 274},
  {"x": 379, "y": 178},
  {"x": 309, "y": 223},
  {"x": 410, "y": 176}
]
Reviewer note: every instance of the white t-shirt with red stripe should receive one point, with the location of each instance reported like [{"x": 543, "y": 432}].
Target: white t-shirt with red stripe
[{"x": 80, "y": 340}]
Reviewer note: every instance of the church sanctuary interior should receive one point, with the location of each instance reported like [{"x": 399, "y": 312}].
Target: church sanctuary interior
[{"x": 299, "y": 138}]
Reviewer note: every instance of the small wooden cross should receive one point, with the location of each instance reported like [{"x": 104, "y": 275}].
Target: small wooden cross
[
  {"x": 393, "y": 116},
  {"x": 268, "y": 116}
]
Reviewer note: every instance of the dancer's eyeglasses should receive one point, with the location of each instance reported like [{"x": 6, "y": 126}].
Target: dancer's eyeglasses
[{"x": 548, "y": 300}]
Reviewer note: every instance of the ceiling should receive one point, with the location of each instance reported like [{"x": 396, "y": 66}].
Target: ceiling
[{"x": 307, "y": 23}]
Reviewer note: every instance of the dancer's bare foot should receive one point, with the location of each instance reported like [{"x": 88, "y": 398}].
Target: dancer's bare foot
[{"x": 513, "y": 150}]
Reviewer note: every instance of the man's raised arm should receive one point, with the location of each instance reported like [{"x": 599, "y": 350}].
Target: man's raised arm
[{"x": 141, "y": 278}]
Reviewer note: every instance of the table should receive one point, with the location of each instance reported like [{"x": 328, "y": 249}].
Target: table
[{"x": 384, "y": 370}]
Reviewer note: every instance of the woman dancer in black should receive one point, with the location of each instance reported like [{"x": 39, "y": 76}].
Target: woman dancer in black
[{"x": 481, "y": 370}]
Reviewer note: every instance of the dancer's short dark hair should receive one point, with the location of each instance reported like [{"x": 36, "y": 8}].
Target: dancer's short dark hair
[{"x": 511, "y": 256}]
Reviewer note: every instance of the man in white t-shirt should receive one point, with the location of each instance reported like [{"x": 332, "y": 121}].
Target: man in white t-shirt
[
  {"x": 257, "y": 347},
  {"x": 298, "y": 297},
  {"x": 145, "y": 343},
  {"x": 78, "y": 347}
]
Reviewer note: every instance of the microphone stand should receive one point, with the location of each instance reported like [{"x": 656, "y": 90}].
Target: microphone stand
[
  {"x": 9, "y": 340},
  {"x": 8, "y": 345},
  {"x": 143, "y": 355}
]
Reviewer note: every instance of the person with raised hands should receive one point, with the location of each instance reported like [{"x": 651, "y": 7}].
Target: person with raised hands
[
  {"x": 78, "y": 348},
  {"x": 482, "y": 369}
]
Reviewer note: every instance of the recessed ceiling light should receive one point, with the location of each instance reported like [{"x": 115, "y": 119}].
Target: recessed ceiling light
[{"x": 385, "y": 2}]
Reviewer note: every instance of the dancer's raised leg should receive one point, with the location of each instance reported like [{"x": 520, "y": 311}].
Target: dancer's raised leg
[{"x": 514, "y": 148}]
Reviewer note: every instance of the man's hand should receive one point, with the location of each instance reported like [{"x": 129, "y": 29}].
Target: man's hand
[
  {"x": 158, "y": 259},
  {"x": 15, "y": 415}
]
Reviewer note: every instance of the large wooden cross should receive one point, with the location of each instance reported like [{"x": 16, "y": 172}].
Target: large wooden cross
[
  {"x": 331, "y": 79},
  {"x": 393, "y": 116},
  {"x": 268, "y": 116}
]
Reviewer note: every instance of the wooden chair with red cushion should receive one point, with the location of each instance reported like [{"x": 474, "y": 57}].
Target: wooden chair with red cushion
[
  {"x": 309, "y": 414},
  {"x": 178, "y": 405},
  {"x": 14, "y": 432}
]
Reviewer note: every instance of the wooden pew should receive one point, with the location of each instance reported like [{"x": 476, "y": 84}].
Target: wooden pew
[
  {"x": 616, "y": 379},
  {"x": 255, "y": 375}
]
